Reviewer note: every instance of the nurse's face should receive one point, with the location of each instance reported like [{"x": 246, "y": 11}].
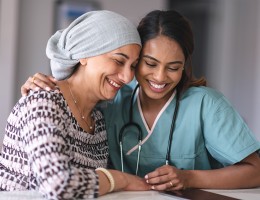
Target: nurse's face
[
  {"x": 160, "y": 68},
  {"x": 108, "y": 72}
]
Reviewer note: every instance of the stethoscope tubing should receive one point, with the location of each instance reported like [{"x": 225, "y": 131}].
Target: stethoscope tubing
[{"x": 140, "y": 133}]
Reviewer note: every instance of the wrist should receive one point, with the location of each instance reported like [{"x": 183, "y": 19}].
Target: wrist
[
  {"x": 188, "y": 179},
  {"x": 109, "y": 176}
]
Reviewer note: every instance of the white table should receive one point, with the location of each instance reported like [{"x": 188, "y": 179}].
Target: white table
[{"x": 246, "y": 194}]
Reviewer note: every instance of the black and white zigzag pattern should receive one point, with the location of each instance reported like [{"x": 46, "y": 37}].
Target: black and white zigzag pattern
[{"x": 45, "y": 149}]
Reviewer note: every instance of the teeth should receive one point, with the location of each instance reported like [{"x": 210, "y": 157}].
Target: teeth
[
  {"x": 113, "y": 83},
  {"x": 156, "y": 85}
]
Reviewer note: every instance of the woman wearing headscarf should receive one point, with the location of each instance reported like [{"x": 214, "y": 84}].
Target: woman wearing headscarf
[{"x": 55, "y": 141}]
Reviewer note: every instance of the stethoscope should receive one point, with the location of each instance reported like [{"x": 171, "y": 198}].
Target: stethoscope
[{"x": 140, "y": 133}]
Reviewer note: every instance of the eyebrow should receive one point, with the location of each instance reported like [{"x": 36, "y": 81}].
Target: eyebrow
[
  {"x": 154, "y": 59},
  {"x": 122, "y": 54}
]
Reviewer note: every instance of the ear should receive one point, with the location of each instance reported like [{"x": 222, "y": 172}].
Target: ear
[{"x": 83, "y": 61}]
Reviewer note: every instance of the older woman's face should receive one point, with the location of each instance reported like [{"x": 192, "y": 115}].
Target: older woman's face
[
  {"x": 108, "y": 72},
  {"x": 160, "y": 67}
]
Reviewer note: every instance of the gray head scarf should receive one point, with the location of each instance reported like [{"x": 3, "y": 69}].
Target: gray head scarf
[{"x": 92, "y": 34}]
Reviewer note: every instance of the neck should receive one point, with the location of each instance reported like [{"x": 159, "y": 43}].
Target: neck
[
  {"x": 151, "y": 107},
  {"x": 148, "y": 103},
  {"x": 84, "y": 102}
]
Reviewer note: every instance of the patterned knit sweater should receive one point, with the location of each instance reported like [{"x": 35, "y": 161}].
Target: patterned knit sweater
[{"x": 45, "y": 149}]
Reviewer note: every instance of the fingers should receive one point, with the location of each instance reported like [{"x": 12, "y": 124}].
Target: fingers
[
  {"x": 29, "y": 85},
  {"x": 38, "y": 81},
  {"x": 44, "y": 82},
  {"x": 165, "y": 178},
  {"x": 162, "y": 173},
  {"x": 171, "y": 185}
]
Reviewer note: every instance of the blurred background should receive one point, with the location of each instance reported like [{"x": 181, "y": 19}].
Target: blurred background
[{"x": 227, "y": 44}]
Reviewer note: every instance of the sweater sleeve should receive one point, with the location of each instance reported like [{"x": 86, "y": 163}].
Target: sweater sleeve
[{"x": 45, "y": 139}]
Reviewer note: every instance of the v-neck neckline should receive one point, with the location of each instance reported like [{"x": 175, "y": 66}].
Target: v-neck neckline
[
  {"x": 150, "y": 131},
  {"x": 159, "y": 114}
]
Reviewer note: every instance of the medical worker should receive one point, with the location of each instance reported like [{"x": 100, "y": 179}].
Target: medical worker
[{"x": 175, "y": 132}]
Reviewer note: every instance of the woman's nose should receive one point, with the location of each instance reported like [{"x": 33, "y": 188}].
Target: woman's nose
[{"x": 126, "y": 75}]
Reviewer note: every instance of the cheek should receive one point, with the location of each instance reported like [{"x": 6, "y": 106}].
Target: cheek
[
  {"x": 139, "y": 74},
  {"x": 141, "y": 70},
  {"x": 179, "y": 77},
  {"x": 176, "y": 77}
]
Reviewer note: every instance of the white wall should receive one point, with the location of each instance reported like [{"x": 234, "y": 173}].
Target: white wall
[
  {"x": 256, "y": 78},
  {"x": 133, "y": 9},
  {"x": 233, "y": 65},
  {"x": 35, "y": 28},
  {"x": 8, "y": 43}
]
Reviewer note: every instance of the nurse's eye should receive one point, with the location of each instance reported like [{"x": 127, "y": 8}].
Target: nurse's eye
[
  {"x": 150, "y": 64},
  {"x": 173, "y": 69}
]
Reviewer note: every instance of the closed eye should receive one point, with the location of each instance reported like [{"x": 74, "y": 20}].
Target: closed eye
[
  {"x": 173, "y": 69},
  {"x": 150, "y": 64},
  {"x": 119, "y": 62}
]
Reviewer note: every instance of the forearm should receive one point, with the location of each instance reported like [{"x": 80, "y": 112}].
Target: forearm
[
  {"x": 122, "y": 181},
  {"x": 104, "y": 184},
  {"x": 241, "y": 175}
]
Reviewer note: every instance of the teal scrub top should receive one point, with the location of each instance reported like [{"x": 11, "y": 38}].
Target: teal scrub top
[{"x": 208, "y": 134}]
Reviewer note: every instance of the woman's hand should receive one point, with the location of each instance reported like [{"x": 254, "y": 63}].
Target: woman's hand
[
  {"x": 136, "y": 183},
  {"x": 167, "y": 178},
  {"x": 38, "y": 81}
]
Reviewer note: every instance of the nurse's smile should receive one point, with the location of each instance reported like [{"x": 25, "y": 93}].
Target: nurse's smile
[{"x": 157, "y": 87}]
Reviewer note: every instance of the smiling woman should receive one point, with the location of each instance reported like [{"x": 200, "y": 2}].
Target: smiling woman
[
  {"x": 109, "y": 72},
  {"x": 162, "y": 62},
  {"x": 55, "y": 140}
]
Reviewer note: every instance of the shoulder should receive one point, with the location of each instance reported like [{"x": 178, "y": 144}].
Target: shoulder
[
  {"x": 44, "y": 95},
  {"x": 203, "y": 91},
  {"x": 45, "y": 98},
  {"x": 50, "y": 101},
  {"x": 204, "y": 95},
  {"x": 207, "y": 99},
  {"x": 40, "y": 110}
]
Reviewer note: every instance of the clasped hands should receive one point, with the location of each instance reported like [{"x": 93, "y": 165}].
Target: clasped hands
[{"x": 167, "y": 177}]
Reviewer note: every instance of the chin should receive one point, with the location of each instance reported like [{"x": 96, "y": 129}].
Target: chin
[{"x": 109, "y": 96}]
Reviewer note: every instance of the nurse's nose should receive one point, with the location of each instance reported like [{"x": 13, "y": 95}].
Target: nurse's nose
[
  {"x": 160, "y": 74},
  {"x": 126, "y": 74}
]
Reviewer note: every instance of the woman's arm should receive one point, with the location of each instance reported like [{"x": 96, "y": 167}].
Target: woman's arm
[
  {"x": 123, "y": 181},
  {"x": 244, "y": 174}
]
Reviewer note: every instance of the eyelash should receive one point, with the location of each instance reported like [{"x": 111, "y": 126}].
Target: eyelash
[
  {"x": 151, "y": 65},
  {"x": 173, "y": 69},
  {"x": 169, "y": 69},
  {"x": 119, "y": 62},
  {"x": 122, "y": 63}
]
